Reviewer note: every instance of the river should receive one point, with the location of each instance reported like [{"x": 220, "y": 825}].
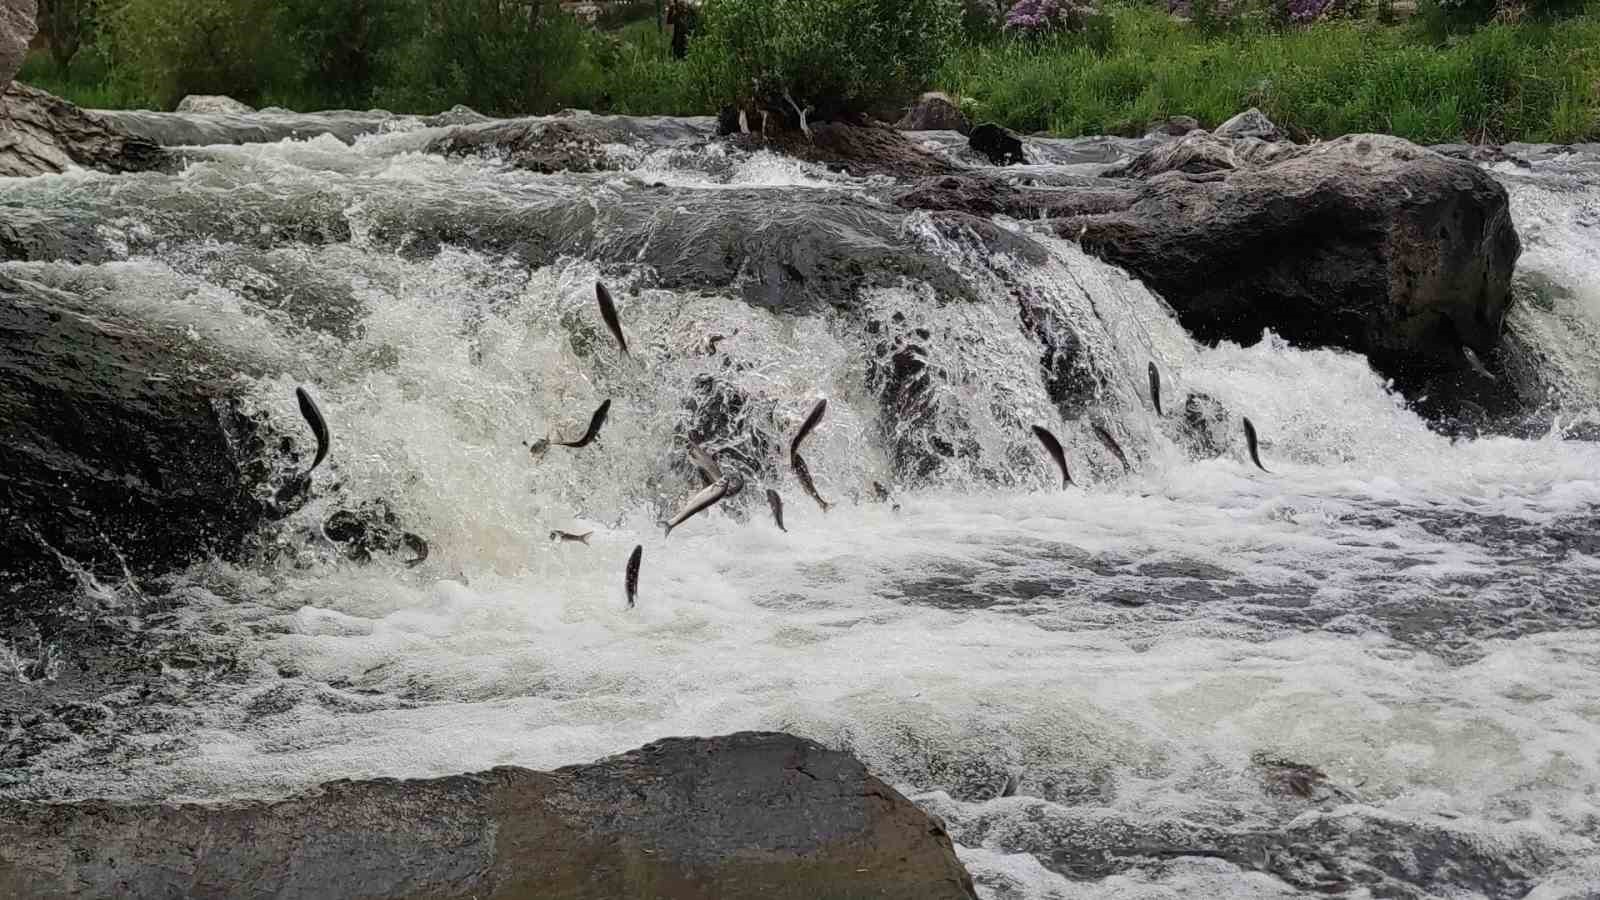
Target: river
[{"x": 1147, "y": 658}]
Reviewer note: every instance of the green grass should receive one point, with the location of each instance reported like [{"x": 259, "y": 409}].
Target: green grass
[{"x": 1534, "y": 82}]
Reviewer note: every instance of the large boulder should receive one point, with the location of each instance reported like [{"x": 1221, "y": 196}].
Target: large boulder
[
  {"x": 748, "y": 815},
  {"x": 18, "y": 23},
  {"x": 41, "y": 133},
  {"x": 570, "y": 142},
  {"x": 121, "y": 452},
  {"x": 1367, "y": 242},
  {"x": 934, "y": 112}
]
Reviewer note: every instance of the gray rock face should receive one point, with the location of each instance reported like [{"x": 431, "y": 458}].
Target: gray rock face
[
  {"x": 41, "y": 133},
  {"x": 213, "y": 104},
  {"x": 748, "y": 815},
  {"x": 18, "y": 23},
  {"x": 570, "y": 142},
  {"x": 1367, "y": 242},
  {"x": 1249, "y": 124},
  {"x": 934, "y": 112}
]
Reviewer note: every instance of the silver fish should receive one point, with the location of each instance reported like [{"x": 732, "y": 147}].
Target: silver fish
[
  {"x": 812, "y": 418},
  {"x": 724, "y": 488},
  {"x": 1112, "y": 445},
  {"x": 319, "y": 426},
  {"x": 1155, "y": 387},
  {"x": 608, "y": 311},
  {"x": 630, "y": 578},
  {"x": 710, "y": 471},
  {"x": 574, "y": 538},
  {"x": 595, "y": 421},
  {"x": 776, "y": 502},
  {"x": 798, "y": 463},
  {"x": 1053, "y": 447},
  {"x": 1250, "y": 441},
  {"x": 1477, "y": 364},
  {"x": 537, "y": 448}
]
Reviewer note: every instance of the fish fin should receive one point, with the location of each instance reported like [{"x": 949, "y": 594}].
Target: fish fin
[{"x": 584, "y": 538}]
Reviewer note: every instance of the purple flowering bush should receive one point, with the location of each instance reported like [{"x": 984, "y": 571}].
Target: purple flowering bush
[{"x": 1033, "y": 17}]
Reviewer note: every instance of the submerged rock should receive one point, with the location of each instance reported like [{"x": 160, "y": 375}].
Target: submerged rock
[
  {"x": 934, "y": 112},
  {"x": 41, "y": 133},
  {"x": 213, "y": 104},
  {"x": 747, "y": 815}
]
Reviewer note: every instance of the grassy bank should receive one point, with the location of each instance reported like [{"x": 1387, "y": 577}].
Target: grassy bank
[{"x": 1533, "y": 81}]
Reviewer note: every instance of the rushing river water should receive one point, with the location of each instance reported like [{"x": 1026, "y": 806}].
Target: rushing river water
[{"x": 1150, "y": 664}]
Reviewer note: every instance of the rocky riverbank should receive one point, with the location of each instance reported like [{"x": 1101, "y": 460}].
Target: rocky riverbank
[{"x": 747, "y": 815}]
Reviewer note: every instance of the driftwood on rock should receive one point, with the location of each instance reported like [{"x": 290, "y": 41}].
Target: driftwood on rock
[
  {"x": 41, "y": 133},
  {"x": 748, "y": 815}
]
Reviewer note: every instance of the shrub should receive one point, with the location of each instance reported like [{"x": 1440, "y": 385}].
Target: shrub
[
  {"x": 164, "y": 49},
  {"x": 837, "y": 56}
]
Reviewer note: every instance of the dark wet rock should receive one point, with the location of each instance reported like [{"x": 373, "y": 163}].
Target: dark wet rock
[
  {"x": 1251, "y": 123},
  {"x": 984, "y": 195},
  {"x": 998, "y": 145},
  {"x": 747, "y": 815},
  {"x": 372, "y": 528},
  {"x": 1173, "y": 126},
  {"x": 213, "y": 104},
  {"x": 1366, "y": 242},
  {"x": 573, "y": 143},
  {"x": 858, "y": 148},
  {"x": 909, "y": 384},
  {"x": 934, "y": 112},
  {"x": 42, "y": 134},
  {"x": 18, "y": 22},
  {"x": 738, "y": 429},
  {"x": 35, "y": 235},
  {"x": 123, "y": 453}
]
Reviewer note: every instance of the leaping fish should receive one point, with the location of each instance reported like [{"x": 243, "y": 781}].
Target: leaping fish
[
  {"x": 812, "y": 418},
  {"x": 319, "y": 426},
  {"x": 1112, "y": 445},
  {"x": 630, "y": 578},
  {"x": 776, "y": 502},
  {"x": 608, "y": 311},
  {"x": 724, "y": 488},
  {"x": 595, "y": 421},
  {"x": 1155, "y": 387},
  {"x": 1053, "y": 447},
  {"x": 710, "y": 471},
  {"x": 798, "y": 463},
  {"x": 1250, "y": 441},
  {"x": 574, "y": 538}
]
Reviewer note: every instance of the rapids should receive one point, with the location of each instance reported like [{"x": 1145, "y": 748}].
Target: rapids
[{"x": 1145, "y": 654}]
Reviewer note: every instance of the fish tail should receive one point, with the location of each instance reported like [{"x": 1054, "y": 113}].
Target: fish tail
[{"x": 585, "y": 539}]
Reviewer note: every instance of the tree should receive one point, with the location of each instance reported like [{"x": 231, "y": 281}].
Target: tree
[{"x": 67, "y": 25}]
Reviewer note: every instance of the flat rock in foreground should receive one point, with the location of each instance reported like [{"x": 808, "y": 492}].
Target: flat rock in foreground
[{"x": 747, "y": 815}]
